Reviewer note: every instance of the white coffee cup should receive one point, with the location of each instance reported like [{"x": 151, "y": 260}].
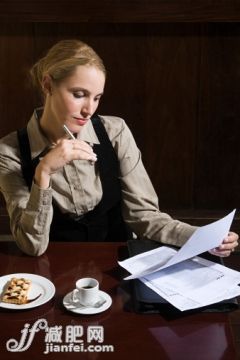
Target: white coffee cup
[{"x": 86, "y": 292}]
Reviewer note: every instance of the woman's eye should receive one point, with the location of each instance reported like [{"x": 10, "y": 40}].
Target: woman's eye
[{"x": 78, "y": 95}]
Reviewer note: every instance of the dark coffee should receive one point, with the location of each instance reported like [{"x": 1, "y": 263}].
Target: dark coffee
[{"x": 87, "y": 287}]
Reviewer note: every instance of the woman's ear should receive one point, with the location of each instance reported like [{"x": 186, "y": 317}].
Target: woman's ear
[{"x": 47, "y": 85}]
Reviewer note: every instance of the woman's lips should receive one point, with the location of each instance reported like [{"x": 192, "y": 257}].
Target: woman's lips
[{"x": 81, "y": 121}]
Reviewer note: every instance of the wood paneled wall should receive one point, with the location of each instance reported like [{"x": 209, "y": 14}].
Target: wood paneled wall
[
  {"x": 177, "y": 85},
  {"x": 119, "y": 11}
]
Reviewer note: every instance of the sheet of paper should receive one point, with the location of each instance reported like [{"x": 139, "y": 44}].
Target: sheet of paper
[
  {"x": 194, "y": 283},
  {"x": 203, "y": 239}
]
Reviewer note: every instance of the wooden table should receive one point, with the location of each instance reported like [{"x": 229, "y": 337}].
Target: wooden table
[{"x": 200, "y": 336}]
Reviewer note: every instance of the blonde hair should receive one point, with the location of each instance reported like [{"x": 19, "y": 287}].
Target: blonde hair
[{"x": 61, "y": 61}]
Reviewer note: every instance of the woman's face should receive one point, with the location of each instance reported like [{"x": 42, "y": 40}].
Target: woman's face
[{"x": 76, "y": 98}]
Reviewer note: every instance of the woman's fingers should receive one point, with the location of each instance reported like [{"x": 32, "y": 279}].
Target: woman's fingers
[
  {"x": 228, "y": 245},
  {"x": 84, "y": 151},
  {"x": 76, "y": 150}
]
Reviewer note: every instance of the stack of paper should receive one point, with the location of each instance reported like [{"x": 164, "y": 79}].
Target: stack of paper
[{"x": 181, "y": 277}]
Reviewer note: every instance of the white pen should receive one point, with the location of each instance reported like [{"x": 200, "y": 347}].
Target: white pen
[{"x": 68, "y": 132}]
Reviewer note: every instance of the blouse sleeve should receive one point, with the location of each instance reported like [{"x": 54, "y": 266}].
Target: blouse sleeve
[
  {"x": 140, "y": 203},
  {"x": 30, "y": 212}
]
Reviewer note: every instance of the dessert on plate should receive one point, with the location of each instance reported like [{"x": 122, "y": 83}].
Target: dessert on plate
[{"x": 16, "y": 291}]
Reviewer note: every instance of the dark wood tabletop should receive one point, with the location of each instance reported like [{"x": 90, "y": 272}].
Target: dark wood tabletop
[{"x": 123, "y": 332}]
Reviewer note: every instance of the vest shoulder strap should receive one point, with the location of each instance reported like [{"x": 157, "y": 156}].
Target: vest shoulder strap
[{"x": 27, "y": 165}]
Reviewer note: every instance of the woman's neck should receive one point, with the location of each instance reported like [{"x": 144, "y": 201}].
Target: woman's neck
[{"x": 50, "y": 127}]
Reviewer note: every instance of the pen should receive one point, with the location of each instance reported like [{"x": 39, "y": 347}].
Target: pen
[{"x": 68, "y": 132}]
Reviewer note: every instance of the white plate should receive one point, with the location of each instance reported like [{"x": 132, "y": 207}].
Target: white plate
[
  {"x": 40, "y": 285},
  {"x": 69, "y": 305}
]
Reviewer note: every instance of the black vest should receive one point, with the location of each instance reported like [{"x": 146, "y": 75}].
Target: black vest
[{"x": 104, "y": 222}]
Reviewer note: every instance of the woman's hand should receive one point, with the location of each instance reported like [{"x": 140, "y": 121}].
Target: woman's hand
[
  {"x": 228, "y": 245},
  {"x": 61, "y": 154}
]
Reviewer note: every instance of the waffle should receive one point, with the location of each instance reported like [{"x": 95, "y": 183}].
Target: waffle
[{"x": 16, "y": 291}]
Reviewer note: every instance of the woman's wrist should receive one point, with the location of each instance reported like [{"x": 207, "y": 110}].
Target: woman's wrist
[{"x": 42, "y": 177}]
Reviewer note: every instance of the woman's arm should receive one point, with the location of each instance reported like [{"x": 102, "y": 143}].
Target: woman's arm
[
  {"x": 140, "y": 202},
  {"x": 30, "y": 212}
]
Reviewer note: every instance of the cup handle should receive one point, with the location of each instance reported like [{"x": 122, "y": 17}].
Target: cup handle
[{"x": 74, "y": 295}]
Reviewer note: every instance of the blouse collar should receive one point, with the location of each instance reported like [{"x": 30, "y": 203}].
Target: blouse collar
[{"x": 40, "y": 144}]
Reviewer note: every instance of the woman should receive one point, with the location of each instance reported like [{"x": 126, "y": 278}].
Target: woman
[{"x": 90, "y": 185}]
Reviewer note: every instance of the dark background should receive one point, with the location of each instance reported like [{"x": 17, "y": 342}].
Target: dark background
[{"x": 173, "y": 75}]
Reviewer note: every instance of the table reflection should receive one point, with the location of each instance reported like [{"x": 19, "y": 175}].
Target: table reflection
[{"x": 178, "y": 341}]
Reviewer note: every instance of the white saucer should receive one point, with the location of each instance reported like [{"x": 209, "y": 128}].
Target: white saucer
[{"x": 69, "y": 305}]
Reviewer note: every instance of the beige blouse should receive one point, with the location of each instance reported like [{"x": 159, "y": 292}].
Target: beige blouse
[{"x": 77, "y": 189}]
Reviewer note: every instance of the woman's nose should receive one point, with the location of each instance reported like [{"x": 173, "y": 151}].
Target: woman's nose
[{"x": 88, "y": 108}]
